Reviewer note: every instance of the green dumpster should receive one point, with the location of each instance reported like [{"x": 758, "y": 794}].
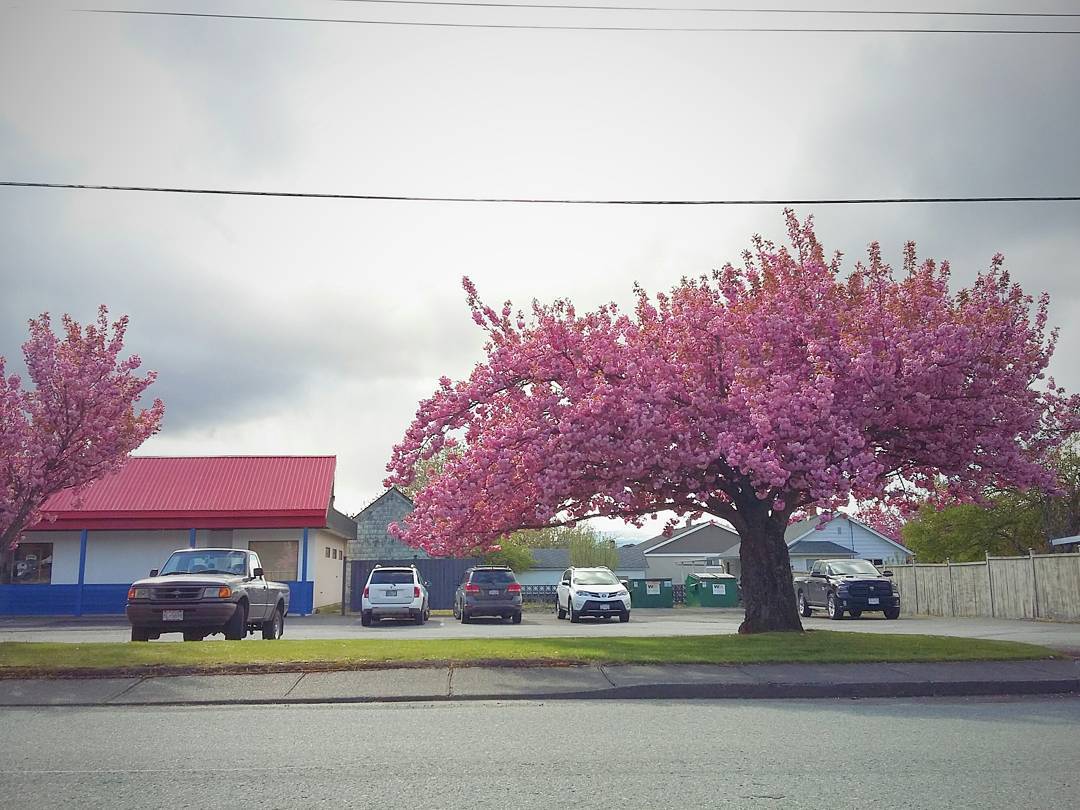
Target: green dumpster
[
  {"x": 651, "y": 593},
  {"x": 712, "y": 590}
]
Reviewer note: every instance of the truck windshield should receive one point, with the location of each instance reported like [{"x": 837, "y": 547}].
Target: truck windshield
[
  {"x": 853, "y": 567},
  {"x": 205, "y": 561}
]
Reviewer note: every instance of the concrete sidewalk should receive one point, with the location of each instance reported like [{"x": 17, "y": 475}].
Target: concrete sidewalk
[{"x": 550, "y": 683}]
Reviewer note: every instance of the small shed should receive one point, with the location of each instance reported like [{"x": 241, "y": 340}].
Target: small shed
[
  {"x": 651, "y": 593},
  {"x": 711, "y": 590}
]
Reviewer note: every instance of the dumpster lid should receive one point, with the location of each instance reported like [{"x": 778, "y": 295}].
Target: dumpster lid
[{"x": 711, "y": 575}]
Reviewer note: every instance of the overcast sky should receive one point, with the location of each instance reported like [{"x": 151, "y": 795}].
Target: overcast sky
[{"x": 310, "y": 327}]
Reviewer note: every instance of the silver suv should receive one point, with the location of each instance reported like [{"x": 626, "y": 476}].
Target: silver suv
[{"x": 394, "y": 593}]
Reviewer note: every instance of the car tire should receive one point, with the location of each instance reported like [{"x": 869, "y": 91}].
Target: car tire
[
  {"x": 804, "y": 607},
  {"x": 835, "y": 611},
  {"x": 365, "y": 618},
  {"x": 465, "y": 617},
  {"x": 625, "y": 616},
  {"x": 427, "y": 612},
  {"x": 558, "y": 608},
  {"x": 419, "y": 617},
  {"x": 855, "y": 612},
  {"x": 575, "y": 617},
  {"x": 892, "y": 613},
  {"x": 516, "y": 619},
  {"x": 275, "y": 628},
  {"x": 193, "y": 635},
  {"x": 236, "y": 628},
  {"x": 457, "y": 615},
  {"x": 140, "y": 634}
]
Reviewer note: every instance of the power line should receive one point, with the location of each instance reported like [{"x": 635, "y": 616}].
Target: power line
[
  {"x": 725, "y": 10},
  {"x": 523, "y": 27},
  {"x": 542, "y": 201}
]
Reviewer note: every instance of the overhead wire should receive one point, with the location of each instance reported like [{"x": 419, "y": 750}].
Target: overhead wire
[{"x": 544, "y": 200}]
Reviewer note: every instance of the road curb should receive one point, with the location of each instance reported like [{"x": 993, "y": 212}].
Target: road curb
[{"x": 659, "y": 691}]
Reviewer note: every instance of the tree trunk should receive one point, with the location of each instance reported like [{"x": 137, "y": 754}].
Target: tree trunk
[{"x": 767, "y": 589}]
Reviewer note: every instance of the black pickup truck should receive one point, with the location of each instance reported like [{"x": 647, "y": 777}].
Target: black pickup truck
[
  {"x": 203, "y": 591},
  {"x": 852, "y": 586}
]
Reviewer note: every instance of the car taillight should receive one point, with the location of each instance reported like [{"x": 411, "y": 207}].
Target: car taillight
[
  {"x": 416, "y": 591},
  {"x": 131, "y": 593},
  {"x": 367, "y": 591},
  {"x": 513, "y": 587},
  {"x": 470, "y": 588}
]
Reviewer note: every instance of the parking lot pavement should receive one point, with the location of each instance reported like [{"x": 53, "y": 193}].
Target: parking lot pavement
[{"x": 658, "y": 622}]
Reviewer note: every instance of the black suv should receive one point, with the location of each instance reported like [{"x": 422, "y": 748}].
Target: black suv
[{"x": 488, "y": 590}]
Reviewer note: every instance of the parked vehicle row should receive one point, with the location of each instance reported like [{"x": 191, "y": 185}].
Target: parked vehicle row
[
  {"x": 851, "y": 586},
  {"x": 201, "y": 592}
]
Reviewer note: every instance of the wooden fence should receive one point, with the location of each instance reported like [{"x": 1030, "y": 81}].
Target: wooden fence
[{"x": 1038, "y": 586}]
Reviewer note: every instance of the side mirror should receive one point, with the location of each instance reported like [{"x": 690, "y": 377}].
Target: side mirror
[
  {"x": 565, "y": 582},
  {"x": 886, "y": 573},
  {"x": 427, "y": 584},
  {"x": 153, "y": 572},
  {"x": 257, "y": 573},
  {"x": 625, "y": 584},
  {"x": 817, "y": 574}
]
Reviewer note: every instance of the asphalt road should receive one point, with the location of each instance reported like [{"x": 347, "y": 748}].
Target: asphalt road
[
  {"x": 981, "y": 753},
  {"x": 678, "y": 622}
]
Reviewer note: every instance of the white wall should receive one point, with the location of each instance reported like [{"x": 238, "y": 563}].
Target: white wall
[
  {"x": 326, "y": 571},
  {"x": 122, "y": 557},
  {"x": 65, "y": 551}
]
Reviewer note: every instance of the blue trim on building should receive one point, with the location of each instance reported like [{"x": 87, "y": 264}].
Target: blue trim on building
[
  {"x": 303, "y": 564},
  {"x": 63, "y": 600},
  {"x": 83, "y": 537},
  {"x": 301, "y": 598},
  {"x": 191, "y": 538}
]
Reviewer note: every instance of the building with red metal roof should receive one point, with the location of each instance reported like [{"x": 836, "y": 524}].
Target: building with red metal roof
[{"x": 93, "y": 543}]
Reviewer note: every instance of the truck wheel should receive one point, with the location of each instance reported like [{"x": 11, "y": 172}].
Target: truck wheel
[
  {"x": 855, "y": 612},
  {"x": 517, "y": 618},
  {"x": 275, "y": 628},
  {"x": 892, "y": 613},
  {"x": 140, "y": 634},
  {"x": 804, "y": 607},
  {"x": 193, "y": 635},
  {"x": 365, "y": 618},
  {"x": 835, "y": 611},
  {"x": 236, "y": 627}
]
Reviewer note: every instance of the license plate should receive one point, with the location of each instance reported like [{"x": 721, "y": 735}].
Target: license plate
[
  {"x": 172, "y": 615},
  {"x": 391, "y": 593},
  {"x": 605, "y": 606},
  {"x": 493, "y": 593},
  {"x": 873, "y": 600}
]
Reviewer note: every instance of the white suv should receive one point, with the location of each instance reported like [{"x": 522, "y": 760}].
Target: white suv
[
  {"x": 394, "y": 592},
  {"x": 592, "y": 592}
]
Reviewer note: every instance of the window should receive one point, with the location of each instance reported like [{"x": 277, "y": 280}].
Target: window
[
  {"x": 391, "y": 577},
  {"x": 492, "y": 577},
  {"x": 206, "y": 561},
  {"x": 279, "y": 558},
  {"x": 328, "y": 552},
  {"x": 31, "y": 564},
  {"x": 878, "y": 563},
  {"x": 595, "y": 578}
]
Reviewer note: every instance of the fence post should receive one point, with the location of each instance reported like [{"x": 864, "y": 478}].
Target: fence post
[
  {"x": 990, "y": 580},
  {"x": 915, "y": 574},
  {"x": 344, "y": 582},
  {"x": 1034, "y": 580},
  {"x": 952, "y": 596}
]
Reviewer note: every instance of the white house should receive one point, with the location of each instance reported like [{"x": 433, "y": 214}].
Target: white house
[{"x": 817, "y": 538}]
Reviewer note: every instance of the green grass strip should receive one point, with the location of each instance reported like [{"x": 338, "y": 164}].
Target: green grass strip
[{"x": 818, "y": 646}]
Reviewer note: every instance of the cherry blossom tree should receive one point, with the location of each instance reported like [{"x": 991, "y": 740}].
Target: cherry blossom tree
[
  {"x": 771, "y": 387},
  {"x": 79, "y": 421}
]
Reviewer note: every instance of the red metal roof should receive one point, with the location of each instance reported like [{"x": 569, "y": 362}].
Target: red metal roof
[{"x": 217, "y": 492}]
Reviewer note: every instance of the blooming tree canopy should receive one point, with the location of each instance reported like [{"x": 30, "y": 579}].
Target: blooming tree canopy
[
  {"x": 771, "y": 387},
  {"x": 79, "y": 421}
]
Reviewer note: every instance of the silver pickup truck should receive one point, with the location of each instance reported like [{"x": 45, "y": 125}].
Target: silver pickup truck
[{"x": 203, "y": 591}]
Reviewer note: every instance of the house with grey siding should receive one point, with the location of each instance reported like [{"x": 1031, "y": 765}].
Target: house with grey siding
[
  {"x": 855, "y": 538},
  {"x": 549, "y": 564},
  {"x": 695, "y": 547},
  {"x": 373, "y": 540}
]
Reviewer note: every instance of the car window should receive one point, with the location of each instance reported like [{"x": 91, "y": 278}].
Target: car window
[
  {"x": 205, "y": 561},
  {"x": 391, "y": 578},
  {"x": 817, "y": 567},
  {"x": 852, "y": 567},
  {"x": 595, "y": 578},
  {"x": 566, "y": 575},
  {"x": 492, "y": 577}
]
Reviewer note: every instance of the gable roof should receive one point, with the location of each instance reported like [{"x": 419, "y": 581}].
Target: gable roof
[
  {"x": 701, "y": 538},
  {"x": 197, "y": 492},
  {"x": 391, "y": 492},
  {"x": 630, "y": 559},
  {"x": 823, "y": 548},
  {"x": 802, "y": 529},
  {"x": 652, "y": 542}
]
